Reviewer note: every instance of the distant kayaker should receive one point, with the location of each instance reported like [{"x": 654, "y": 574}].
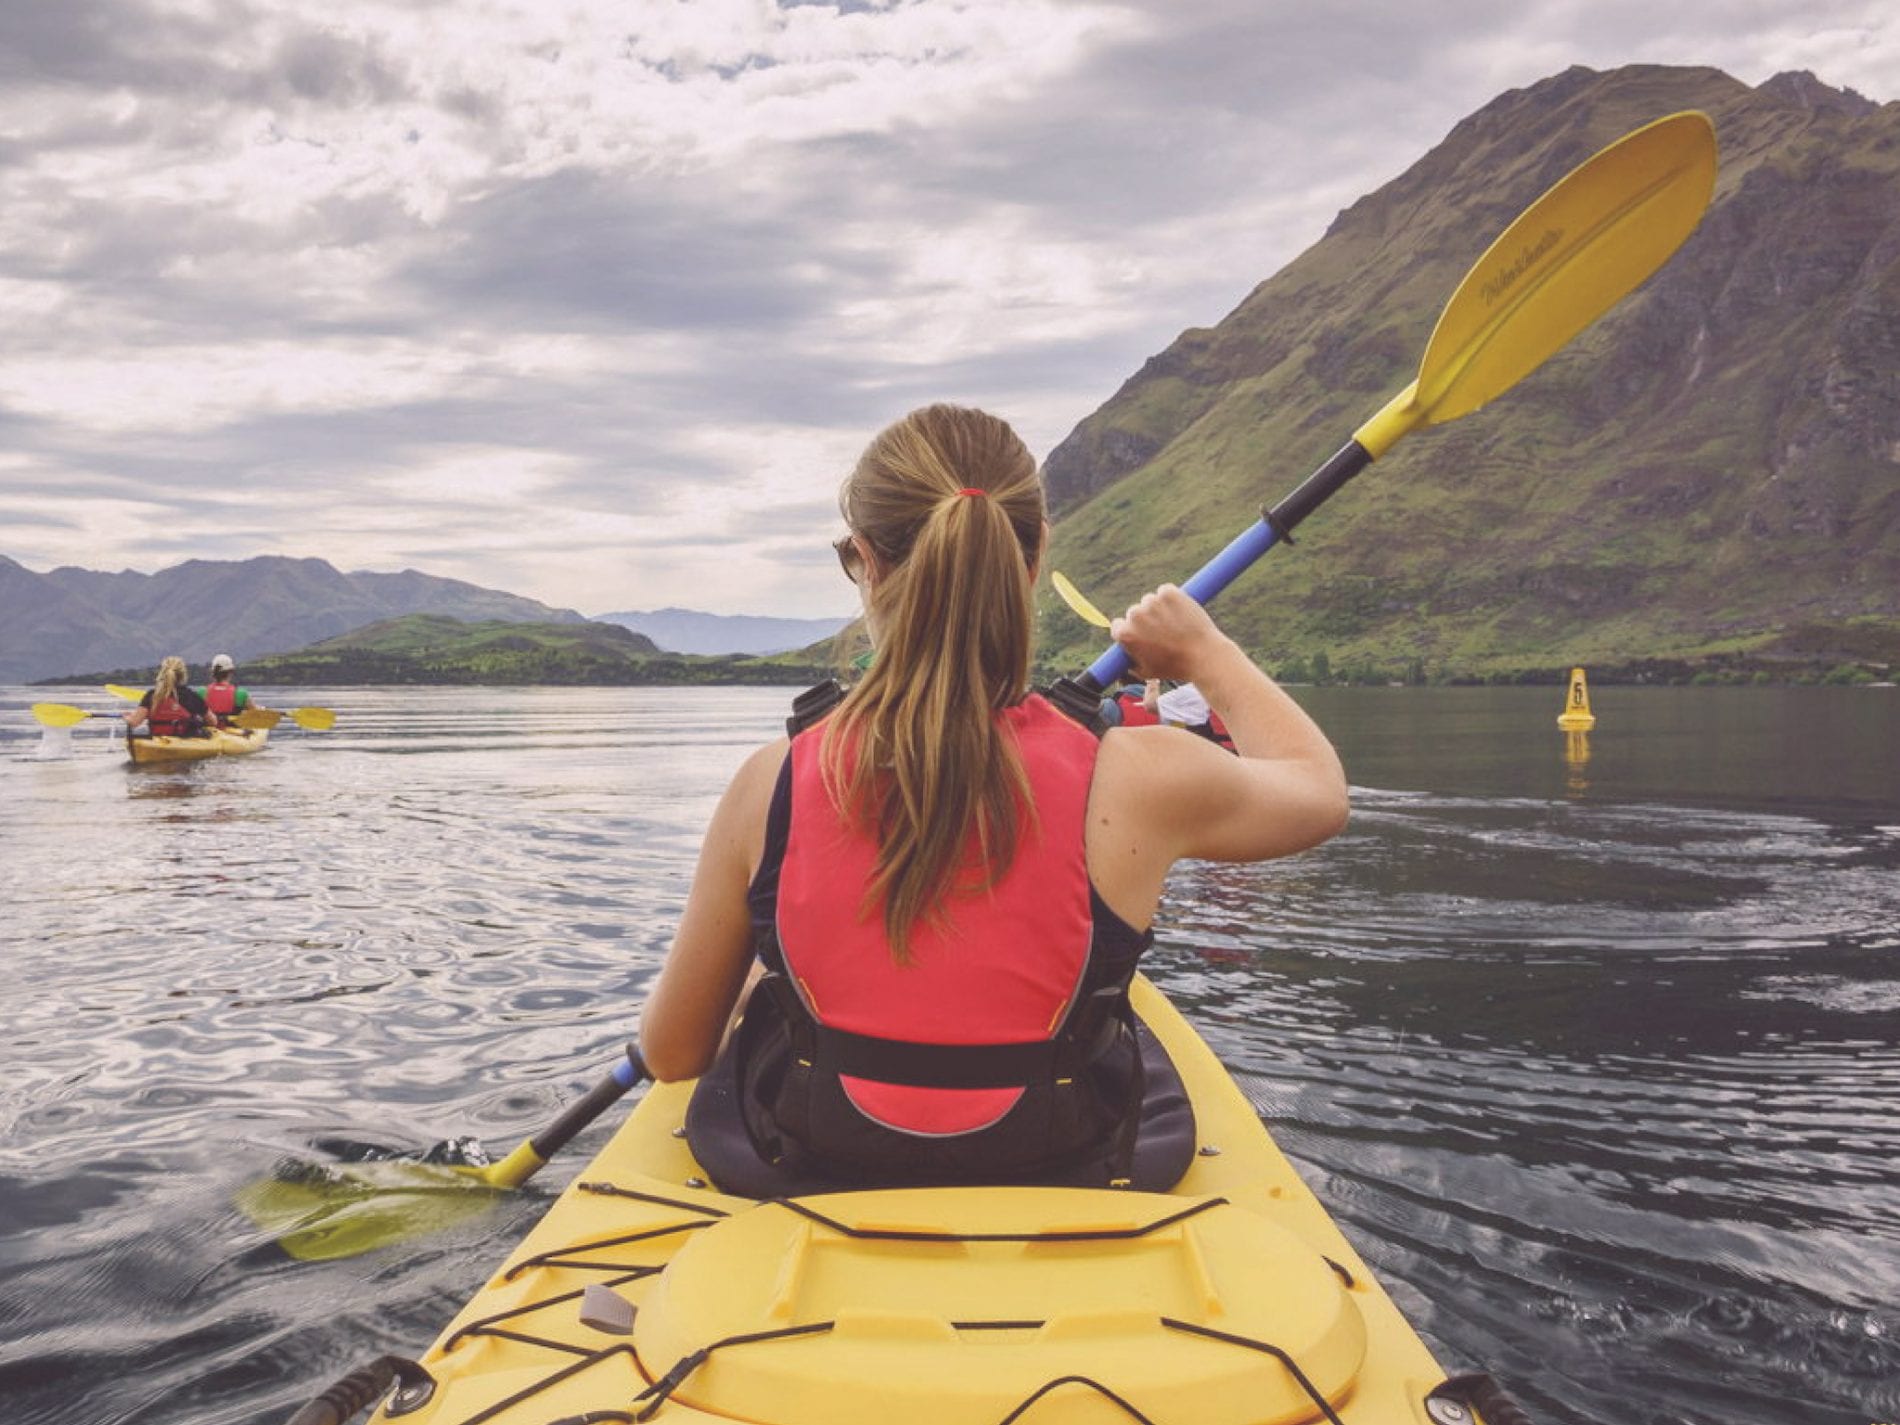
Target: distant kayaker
[
  {"x": 1135, "y": 704},
  {"x": 941, "y": 889},
  {"x": 1183, "y": 706},
  {"x": 170, "y": 708},
  {"x": 222, "y": 694}
]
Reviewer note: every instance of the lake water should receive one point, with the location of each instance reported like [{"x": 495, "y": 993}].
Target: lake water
[{"x": 1597, "y": 1061}]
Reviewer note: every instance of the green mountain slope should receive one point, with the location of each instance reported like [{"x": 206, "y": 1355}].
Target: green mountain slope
[
  {"x": 1714, "y": 467},
  {"x": 433, "y": 648}
]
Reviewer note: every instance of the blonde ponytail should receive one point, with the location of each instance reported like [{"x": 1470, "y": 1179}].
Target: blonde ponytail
[
  {"x": 950, "y": 504},
  {"x": 171, "y": 677}
]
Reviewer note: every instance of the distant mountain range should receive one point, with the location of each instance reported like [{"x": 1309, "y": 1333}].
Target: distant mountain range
[
  {"x": 72, "y": 619},
  {"x": 685, "y": 631},
  {"x": 1710, "y": 473}
]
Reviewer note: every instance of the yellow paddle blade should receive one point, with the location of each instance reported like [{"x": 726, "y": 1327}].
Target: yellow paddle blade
[
  {"x": 254, "y": 719},
  {"x": 1076, "y": 600},
  {"x": 321, "y": 1213},
  {"x": 1567, "y": 259},
  {"x": 59, "y": 714},
  {"x": 119, "y": 690},
  {"x": 313, "y": 719}
]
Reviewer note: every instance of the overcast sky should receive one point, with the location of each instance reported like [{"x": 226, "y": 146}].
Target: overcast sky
[{"x": 595, "y": 301}]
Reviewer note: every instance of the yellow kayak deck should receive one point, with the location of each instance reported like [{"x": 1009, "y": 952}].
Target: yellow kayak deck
[
  {"x": 219, "y": 742},
  {"x": 1230, "y": 1300}
]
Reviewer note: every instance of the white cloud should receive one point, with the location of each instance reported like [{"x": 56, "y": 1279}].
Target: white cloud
[{"x": 595, "y": 301}]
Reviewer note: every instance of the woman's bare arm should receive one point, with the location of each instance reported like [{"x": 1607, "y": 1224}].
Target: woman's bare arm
[
  {"x": 705, "y": 972},
  {"x": 1284, "y": 792}
]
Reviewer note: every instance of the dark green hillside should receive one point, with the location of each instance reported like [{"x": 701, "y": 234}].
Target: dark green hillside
[
  {"x": 1712, "y": 470},
  {"x": 432, "y": 648}
]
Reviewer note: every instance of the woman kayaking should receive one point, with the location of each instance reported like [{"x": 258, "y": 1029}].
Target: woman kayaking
[
  {"x": 941, "y": 888},
  {"x": 170, "y": 708}
]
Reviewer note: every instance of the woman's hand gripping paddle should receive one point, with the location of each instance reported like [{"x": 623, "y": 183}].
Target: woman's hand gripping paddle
[
  {"x": 1567, "y": 259},
  {"x": 319, "y": 1212}
]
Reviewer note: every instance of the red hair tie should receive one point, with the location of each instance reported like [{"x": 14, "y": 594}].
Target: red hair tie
[{"x": 972, "y": 490}]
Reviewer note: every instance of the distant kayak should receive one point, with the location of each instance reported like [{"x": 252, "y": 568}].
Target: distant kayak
[
  {"x": 220, "y": 742},
  {"x": 646, "y": 1293}
]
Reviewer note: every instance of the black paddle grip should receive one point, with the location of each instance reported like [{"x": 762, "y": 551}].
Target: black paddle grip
[
  {"x": 1317, "y": 489},
  {"x": 584, "y": 1110},
  {"x": 361, "y": 1389}
]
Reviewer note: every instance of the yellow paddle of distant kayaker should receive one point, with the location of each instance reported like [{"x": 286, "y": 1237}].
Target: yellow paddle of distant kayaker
[
  {"x": 310, "y": 719},
  {"x": 252, "y": 719},
  {"x": 59, "y": 714},
  {"x": 1077, "y": 600}
]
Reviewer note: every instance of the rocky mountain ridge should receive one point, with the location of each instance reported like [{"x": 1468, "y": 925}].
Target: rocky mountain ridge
[
  {"x": 1713, "y": 468},
  {"x": 70, "y": 618}
]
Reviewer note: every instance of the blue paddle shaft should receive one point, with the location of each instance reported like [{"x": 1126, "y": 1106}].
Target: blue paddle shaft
[
  {"x": 1215, "y": 575},
  {"x": 1233, "y": 561}
]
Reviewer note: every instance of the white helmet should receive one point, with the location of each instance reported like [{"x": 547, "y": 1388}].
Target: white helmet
[{"x": 222, "y": 663}]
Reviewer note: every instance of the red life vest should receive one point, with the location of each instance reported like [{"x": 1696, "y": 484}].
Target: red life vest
[
  {"x": 221, "y": 698},
  {"x": 1002, "y": 968},
  {"x": 1135, "y": 713},
  {"x": 169, "y": 718}
]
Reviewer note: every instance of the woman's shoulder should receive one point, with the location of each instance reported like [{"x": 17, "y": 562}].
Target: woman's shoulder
[{"x": 759, "y": 773}]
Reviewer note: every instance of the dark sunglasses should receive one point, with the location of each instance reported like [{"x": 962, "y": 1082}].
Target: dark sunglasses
[{"x": 849, "y": 558}]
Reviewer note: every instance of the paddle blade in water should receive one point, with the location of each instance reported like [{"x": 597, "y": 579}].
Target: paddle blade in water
[
  {"x": 1076, "y": 600},
  {"x": 58, "y": 715},
  {"x": 322, "y": 1212}
]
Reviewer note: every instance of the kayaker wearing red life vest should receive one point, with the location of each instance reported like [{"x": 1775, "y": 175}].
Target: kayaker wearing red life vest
[
  {"x": 1133, "y": 704},
  {"x": 946, "y": 882},
  {"x": 170, "y": 708},
  {"x": 222, "y": 694}
]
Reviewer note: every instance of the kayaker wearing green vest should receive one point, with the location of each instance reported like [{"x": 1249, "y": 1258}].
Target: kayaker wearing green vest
[
  {"x": 222, "y": 694},
  {"x": 945, "y": 883},
  {"x": 170, "y": 708}
]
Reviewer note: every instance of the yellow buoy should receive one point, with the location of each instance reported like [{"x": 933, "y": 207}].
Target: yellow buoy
[{"x": 1576, "y": 716}]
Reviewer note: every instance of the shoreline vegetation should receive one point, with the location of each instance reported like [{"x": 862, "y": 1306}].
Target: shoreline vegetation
[{"x": 435, "y": 650}]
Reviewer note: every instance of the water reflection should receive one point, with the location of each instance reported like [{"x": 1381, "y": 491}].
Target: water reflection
[{"x": 1576, "y": 761}]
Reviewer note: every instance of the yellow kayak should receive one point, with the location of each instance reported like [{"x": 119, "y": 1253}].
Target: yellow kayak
[
  {"x": 220, "y": 742},
  {"x": 1232, "y": 1299}
]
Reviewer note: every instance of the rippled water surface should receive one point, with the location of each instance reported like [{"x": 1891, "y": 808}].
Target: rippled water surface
[{"x": 1594, "y": 1056}]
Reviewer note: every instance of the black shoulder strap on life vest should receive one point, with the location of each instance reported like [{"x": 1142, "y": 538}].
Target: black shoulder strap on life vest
[
  {"x": 1080, "y": 702},
  {"x": 811, "y": 706}
]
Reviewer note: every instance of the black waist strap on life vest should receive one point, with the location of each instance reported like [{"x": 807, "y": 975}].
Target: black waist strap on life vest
[
  {"x": 1100, "y": 1020},
  {"x": 1097, "y": 1027}
]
